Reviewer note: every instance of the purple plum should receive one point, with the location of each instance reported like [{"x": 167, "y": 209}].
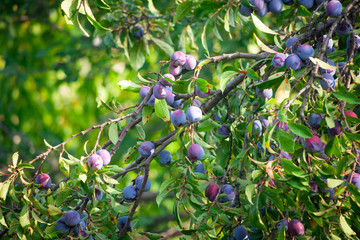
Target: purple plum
[
  {"x": 43, "y": 180},
  {"x": 211, "y": 191},
  {"x": 195, "y": 152},
  {"x": 165, "y": 157},
  {"x": 146, "y": 149},
  {"x": 95, "y": 162},
  {"x": 178, "y": 118},
  {"x": 194, "y": 114}
]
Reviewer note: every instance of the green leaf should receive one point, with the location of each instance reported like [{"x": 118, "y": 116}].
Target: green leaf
[
  {"x": 285, "y": 140},
  {"x": 333, "y": 147},
  {"x": 225, "y": 78},
  {"x": 152, "y": 8},
  {"x": 137, "y": 57},
  {"x": 201, "y": 142},
  {"x": 127, "y": 85},
  {"x": 25, "y": 165},
  {"x": 262, "y": 27},
  {"x": 162, "y": 110},
  {"x": 163, "y": 189},
  {"x": 248, "y": 192},
  {"x": 146, "y": 114},
  {"x": 333, "y": 183},
  {"x": 15, "y": 158},
  {"x": 163, "y": 46},
  {"x": 2, "y": 219},
  {"x": 291, "y": 169},
  {"x": 95, "y": 23},
  {"x": 347, "y": 97},
  {"x": 226, "y": 21},
  {"x": 283, "y": 91},
  {"x": 24, "y": 217},
  {"x": 252, "y": 74},
  {"x": 345, "y": 227},
  {"x": 36, "y": 217},
  {"x": 322, "y": 64},
  {"x": 299, "y": 129},
  {"x": 182, "y": 10},
  {"x": 4, "y": 188},
  {"x": 254, "y": 216},
  {"x": 263, "y": 46},
  {"x": 113, "y": 133},
  {"x": 52, "y": 210},
  {"x": 268, "y": 84},
  {"x": 203, "y": 37},
  {"x": 203, "y": 85}
]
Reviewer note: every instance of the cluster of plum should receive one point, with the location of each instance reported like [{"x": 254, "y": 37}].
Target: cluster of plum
[
  {"x": 163, "y": 89},
  {"x": 72, "y": 221},
  {"x": 293, "y": 227},
  {"x": 130, "y": 192},
  {"x": 99, "y": 159},
  {"x": 261, "y": 7},
  {"x": 138, "y": 32}
]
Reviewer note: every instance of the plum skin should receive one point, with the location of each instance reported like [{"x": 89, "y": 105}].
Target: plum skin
[
  {"x": 146, "y": 149},
  {"x": 178, "y": 118},
  {"x": 304, "y": 51},
  {"x": 72, "y": 218},
  {"x": 139, "y": 180},
  {"x": 278, "y": 60},
  {"x": 229, "y": 190},
  {"x": 200, "y": 168},
  {"x": 165, "y": 157},
  {"x": 314, "y": 120},
  {"x": 105, "y": 156},
  {"x": 144, "y": 91},
  {"x": 95, "y": 162},
  {"x": 329, "y": 78},
  {"x": 333, "y": 8},
  {"x": 166, "y": 83},
  {"x": 257, "y": 128},
  {"x": 211, "y": 191},
  {"x": 314, "y": 144},
  {"x": 241, "y": 233},
  {"x": 121, "y": 223},
  {"x": 296, "y": 228},
  {"x": 190, "y": 62},
  {"x": 194, "y": 114},
  {"x": 195, "y": 152},
  {"x": 43, "y": 179},
  {"x": 293, "y": 62},
  {"x": 129, "y": 193},
  {"x": 178, "y": 58}
]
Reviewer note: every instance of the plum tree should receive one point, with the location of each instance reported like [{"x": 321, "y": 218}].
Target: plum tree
[{"x": 251, "y": 143}]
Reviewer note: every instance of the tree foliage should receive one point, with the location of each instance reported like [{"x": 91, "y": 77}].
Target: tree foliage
[{"x": 277, "y": 138}]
